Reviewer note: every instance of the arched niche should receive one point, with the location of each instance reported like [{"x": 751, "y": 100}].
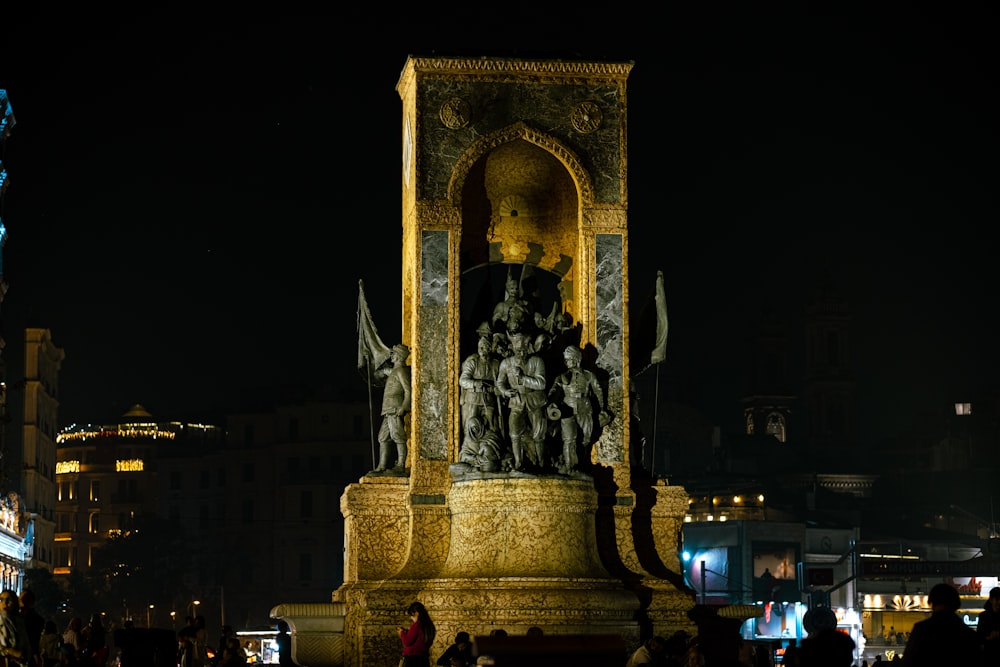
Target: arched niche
[{"x": 520, "y": 194}]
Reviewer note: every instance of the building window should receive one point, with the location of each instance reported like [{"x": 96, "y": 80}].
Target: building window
[
  {"x": 94, "y": 523},
  {"x": 248, "y": 434},
  {"x": 776, "y": 426},
  {"x": 293, "y": 468},
  {"x": 203, "y": 517},
  {"x": 206, "y": 478},
  {"x": 220, "y": 476},
  {"x": 248, "y": 472},
  {"x": 175, "y": 480},
  {"x": 293, "y": 429}
]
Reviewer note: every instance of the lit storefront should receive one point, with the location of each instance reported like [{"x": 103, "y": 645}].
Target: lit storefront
[
  {"x": 780, "y": 569},
  {"x": 260, "y": 645},
  {"x": 894, "y": 581}
]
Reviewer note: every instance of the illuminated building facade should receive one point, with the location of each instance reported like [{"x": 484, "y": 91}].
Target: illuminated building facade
[
  {"x": 106, "y": 476},
  {"x": 6, "y": 124},
  {"x": 14, "y": 522},
  {"x": 42, "y": 360},
  {"x": 260, "y": 499}
]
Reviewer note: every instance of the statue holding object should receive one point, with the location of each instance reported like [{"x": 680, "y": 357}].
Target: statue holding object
[{"x": 396, "y": 403}]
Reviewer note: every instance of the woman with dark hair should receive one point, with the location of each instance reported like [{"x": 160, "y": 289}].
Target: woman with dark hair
[{"x": 417, "y": 639}]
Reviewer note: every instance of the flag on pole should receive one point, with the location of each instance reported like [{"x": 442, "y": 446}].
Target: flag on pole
[
  {"x": 649, "y": 336},
  {"x": 371, "y": 349}
]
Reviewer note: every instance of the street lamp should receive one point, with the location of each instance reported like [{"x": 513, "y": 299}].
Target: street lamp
[
  {"x": 149, "y": 613},
  {"x": 173, "y": 619}
]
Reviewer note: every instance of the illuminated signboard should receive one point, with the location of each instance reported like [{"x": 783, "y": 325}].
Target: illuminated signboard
[{"x": 67, "y": 466}]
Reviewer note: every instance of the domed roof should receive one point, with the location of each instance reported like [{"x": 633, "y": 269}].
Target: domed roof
[{"x": 137, "y": 411}]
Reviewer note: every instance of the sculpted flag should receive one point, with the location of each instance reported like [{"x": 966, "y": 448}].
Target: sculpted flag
[
  {"x": 371, "y": 349},
  {"x": 660, "y": 348},
  {"x": 649, "y": 336}
]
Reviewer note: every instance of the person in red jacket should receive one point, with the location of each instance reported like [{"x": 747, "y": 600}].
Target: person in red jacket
[{"x": 417, "y": 638}]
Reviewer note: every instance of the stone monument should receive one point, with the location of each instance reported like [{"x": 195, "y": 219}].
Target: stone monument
[{"x": 513, "y": 171}]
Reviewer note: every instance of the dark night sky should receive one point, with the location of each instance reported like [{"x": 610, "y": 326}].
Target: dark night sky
[{"x": 192, "y": 202}]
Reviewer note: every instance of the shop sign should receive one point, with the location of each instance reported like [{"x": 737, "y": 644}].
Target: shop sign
[{"x": 876, "y": 567}]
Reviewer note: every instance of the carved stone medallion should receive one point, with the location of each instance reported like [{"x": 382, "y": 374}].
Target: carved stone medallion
[
  {"x": 587, "y": 117},
  {"x": 455, "y": 113}
]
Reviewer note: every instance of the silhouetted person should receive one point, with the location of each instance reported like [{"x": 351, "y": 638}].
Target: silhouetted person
[
  {"x": 826, "y": 646},
  {"x": 284, "y": 642},
  {"x": 458, "y": 654},
  {"x": 718, "y": 637},
  {"x": 651, "y": 652},
  {"x": 96, "y": 646},
  {"x": 33, "y": 621},
  {"x": 988, "y": 628},
  {"x": 942, "y": 639},
  {"x": 48, "y": 644}
]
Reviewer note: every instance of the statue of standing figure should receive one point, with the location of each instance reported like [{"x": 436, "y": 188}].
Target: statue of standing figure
[
  {"x": 521, "y": 380},
  {"x": 515, "y": 313},
  {"x": 396, "y": 403},
  {"x": 477, "y": 381},
  {"x": 573, "y": 396}
]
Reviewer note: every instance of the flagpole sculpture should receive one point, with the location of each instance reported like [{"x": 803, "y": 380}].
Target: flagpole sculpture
[
  {"x": 372, "y": 354},
  {"x": 650, "y": 334}
]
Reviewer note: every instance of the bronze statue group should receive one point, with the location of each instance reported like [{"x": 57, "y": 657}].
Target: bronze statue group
[{"x": 515, "y": 418}]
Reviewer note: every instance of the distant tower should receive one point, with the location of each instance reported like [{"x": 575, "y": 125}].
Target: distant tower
[
  {"x": 828, "y": 385},
  {"x": 767, "y": 410},
  {"x": 42, "y": 360}
]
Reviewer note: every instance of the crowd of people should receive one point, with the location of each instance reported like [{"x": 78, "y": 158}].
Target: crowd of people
[
  {"x": 27, "y": 639},
  {"x": 941, "y": 639}
]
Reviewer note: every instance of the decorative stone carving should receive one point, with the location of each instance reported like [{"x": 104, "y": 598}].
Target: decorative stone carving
[
  {"x": 587, "y": 117},
  {"x": 455, "y": 113}
]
